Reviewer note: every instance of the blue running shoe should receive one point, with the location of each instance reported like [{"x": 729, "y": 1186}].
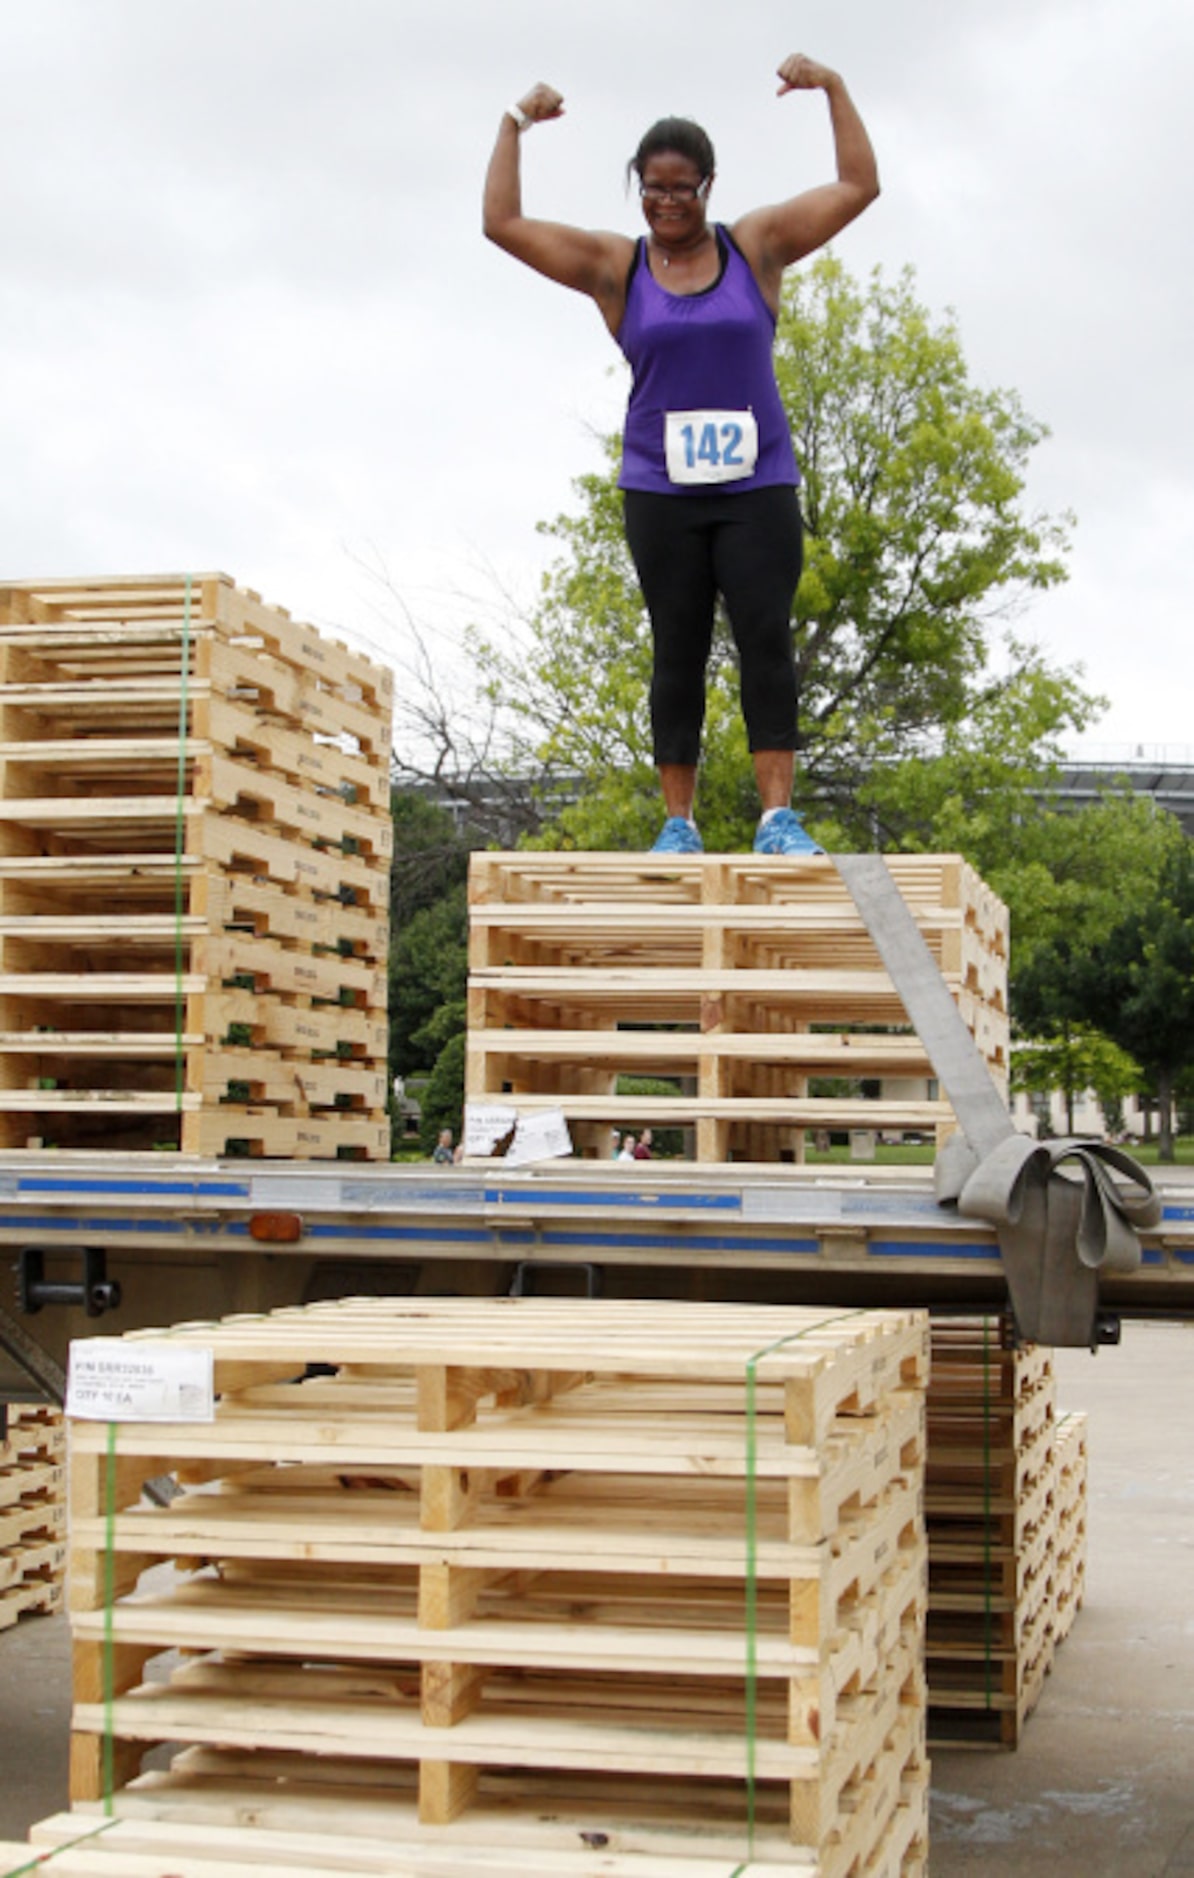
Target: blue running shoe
[
  {"x": 785, "y": 833},
  {"x": 678, "y": 837}
]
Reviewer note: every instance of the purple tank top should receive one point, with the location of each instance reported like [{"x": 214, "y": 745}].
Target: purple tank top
[{"x": 702, "y": 351}]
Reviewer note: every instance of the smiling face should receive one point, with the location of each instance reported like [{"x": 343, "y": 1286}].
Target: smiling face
[{"x": 674, "y": 194}]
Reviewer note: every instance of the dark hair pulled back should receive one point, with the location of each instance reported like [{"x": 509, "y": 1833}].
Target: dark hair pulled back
[{"x": 679, "y": 135}]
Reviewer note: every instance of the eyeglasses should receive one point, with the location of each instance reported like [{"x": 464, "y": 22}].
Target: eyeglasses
[{"x": 673, "y": 192}]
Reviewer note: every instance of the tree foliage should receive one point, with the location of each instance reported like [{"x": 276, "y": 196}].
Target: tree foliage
[
  {"x": 1067, "y": 878},
  {"x": 430, "y": 855},
  {"x": 921, "y": 549},
  {"x": 428, "y": 974},
  {"x": 1138, "y": 985},
  {"x": 442, "y": 1102},
  {"x": 1074, "y": 1058}
]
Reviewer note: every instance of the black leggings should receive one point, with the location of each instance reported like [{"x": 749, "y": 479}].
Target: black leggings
[{"x": 687, "y": 549}]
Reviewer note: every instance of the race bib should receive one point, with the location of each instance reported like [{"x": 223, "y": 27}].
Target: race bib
[{"x": 710, "y": 446}]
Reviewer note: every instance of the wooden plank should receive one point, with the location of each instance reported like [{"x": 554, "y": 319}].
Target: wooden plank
[
  {"x": 835, "y": 1055},
  {"x": 219, "y": 840},
  {"x": 130, "y": 1846},
  {"x": 793, "y": 1112},
  {"x": 136, "y": 1046},
  {"x": 58, "y": 1102},
  {"x": 616, "y": 1337}
]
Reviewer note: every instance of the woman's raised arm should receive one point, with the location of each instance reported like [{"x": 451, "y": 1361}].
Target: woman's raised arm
[
  {"x": 586, "y": 260},
  {"x": 772, "y": 238}
]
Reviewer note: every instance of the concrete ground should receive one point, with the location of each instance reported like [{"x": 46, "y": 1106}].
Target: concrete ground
[
  {"x": 1103, "y": 1782},
  {"x": 1102, "y": 1785}
]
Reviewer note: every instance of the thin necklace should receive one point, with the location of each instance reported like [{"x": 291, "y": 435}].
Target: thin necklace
[{"x": 666, "y": 258}]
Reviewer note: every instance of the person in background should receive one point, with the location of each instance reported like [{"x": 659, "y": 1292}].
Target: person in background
[
  {"x": 626, "y": 1151},
  {"x": 709, "y": 476},
  {"x": 642, "y": 1150},
  {"x": 443, "y": 1148}
]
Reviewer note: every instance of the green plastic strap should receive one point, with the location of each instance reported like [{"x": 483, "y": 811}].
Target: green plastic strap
[
  {"x": 40, "y": 1860},
  {"x": 109, "y": 1672},
  {"x": 988, "y": 1615},
  {"x": 179, "y": 838},
  {"x": 752, "y": 1560}
]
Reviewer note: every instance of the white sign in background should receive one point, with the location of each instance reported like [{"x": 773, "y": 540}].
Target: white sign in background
[
  {"x": 537, "y": 1137},
  {"x": 540, "y": 1137},
  {"x": 111, "y": 1380}
]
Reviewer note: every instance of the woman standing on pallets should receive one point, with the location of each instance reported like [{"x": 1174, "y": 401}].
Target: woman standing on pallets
[{"x": 709, "y": 476}]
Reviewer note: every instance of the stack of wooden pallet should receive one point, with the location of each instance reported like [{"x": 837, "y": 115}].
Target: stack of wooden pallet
[
  {"x": 527, "y": 1574},
  {"x": 32, "y": 1510},
  {"x": 748, "y": 982},
  {"x": 1069, "y": 1572},
  {"x": 194, "y": 842},
  {"x": 993, "y": 1529}
]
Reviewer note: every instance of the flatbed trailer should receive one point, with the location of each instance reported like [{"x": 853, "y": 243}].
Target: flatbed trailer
[{"x": 199, "y": 1239}]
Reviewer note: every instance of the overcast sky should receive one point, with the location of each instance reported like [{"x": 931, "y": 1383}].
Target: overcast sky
[{"x": 248, "y": 322}]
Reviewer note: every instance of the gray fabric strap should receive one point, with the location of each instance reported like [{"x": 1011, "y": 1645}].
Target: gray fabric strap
[
  {"x": 932, "y": 1012},
  {"x": 1056, "y": 1232}
]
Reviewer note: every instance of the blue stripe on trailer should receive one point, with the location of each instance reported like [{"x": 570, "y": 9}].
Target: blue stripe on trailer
[
  {"x": 930, "y": 1249},
  {"x": 105, "y": 1223},
  {"x": 432, "y": 1234},
  {"x": 171, "y": 1189},
  {"x": 708, "y": 1242},
  {"x": 671, "y": 1197}
]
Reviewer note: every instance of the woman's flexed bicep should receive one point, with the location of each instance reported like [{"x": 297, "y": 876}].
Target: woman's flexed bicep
[{"x": 589, "y": 261}]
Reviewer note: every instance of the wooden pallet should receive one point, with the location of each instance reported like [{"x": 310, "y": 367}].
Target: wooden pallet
[
  {"x": 506, "y": 1542},
  {"x": 999, "y": 1576},
  {"x": 31, "y": 1431},
  {"x": 1069, "y": 1585},
  {"x": 195, "y": 800},
  {"x": 32, "y": 1510},
  {"x": 743, "y": 980}
]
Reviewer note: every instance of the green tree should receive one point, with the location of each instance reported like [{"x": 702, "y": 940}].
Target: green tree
[
  {"x": 1074, "y": 1058},
  {"x": 921, "y": 548},
  {"x": 1066, "y": 879},
  {"x": 428, "y": 974},
  {"x": 430, "y": 855},
  {"x": 1138, "y": 985},
  {"x": 443, "y": 1096}
]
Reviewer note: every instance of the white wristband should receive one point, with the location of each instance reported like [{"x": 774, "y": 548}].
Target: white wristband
[{"x": 520, "y": 117}]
